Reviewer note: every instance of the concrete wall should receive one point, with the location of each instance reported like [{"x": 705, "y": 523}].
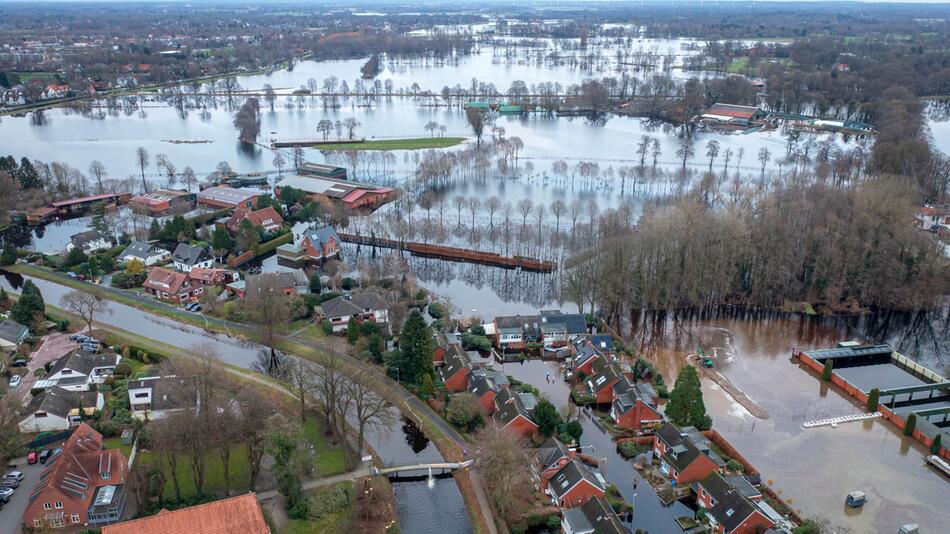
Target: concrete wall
[{"x": 862, "y": 398}]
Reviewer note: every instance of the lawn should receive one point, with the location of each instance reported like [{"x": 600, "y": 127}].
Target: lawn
[
  {"x": 415, "y": 143},
  {"x": 307, "y": 329},
  {"x": 45, "y": 77},
  {"x": 116, "y": 443},
  {"x": 738, "y": 65},
  {"x": 330, "y": 459},
  {"x": 214, "y": 473}
]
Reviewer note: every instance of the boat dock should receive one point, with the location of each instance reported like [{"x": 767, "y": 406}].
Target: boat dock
[{"x": 835, "y": 421}]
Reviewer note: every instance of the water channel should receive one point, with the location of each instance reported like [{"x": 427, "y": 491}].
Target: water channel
[{"x": 422, "y": 509}]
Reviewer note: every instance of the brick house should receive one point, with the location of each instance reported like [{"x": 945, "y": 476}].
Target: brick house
[
  {"x": 728, "y": 510},
  {"x": 454, "y": 372},
  {"x": 485, "y": 384},
  {"x": 366, "y": 306},
  {"x": 241, "y": 515},
  {"x": 634, "y": 410},
  {"x": 585, "y": 354},
  {"x": 516, "y": 332},
  {"x": 593, "y": 517},
  {"x": 551, "y": 457},
  {"x": 266, "y": 218},
  {"x": 83, "y": 485},
  {"x": 171, "y": 286},
  {"x": 601, "y": 383},
  {"x": 187, "y": 257},
  {"x": 205, "y": 277},
  {"x": 219, "y": 197},
  {"x": 311, "y": 245},
  {"x": 684, "y": 454},
  {"x": 163, "y": 201},
  {"x": 574, "y": 484},
  {"x": 512, "y": 416}
]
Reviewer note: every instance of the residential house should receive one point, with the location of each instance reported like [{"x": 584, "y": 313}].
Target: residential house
[
  {"x": 636, "y": 408},
  {"x": 515, "y": 333},
  {"x": 53, "y": 90},
  {"x": 322, "y": 171},
  {"x": 443, "y": 343},
  {"x": 454, "y": 373},
  {"x": 585, "y": 354},
  {"x": 290, "y": 283},
  {"x": 574, "y": 484},
  {"x": 604, "y": 343},
  {"x": 57, "y": 409},
  {"x": 80, "y": 371},
  {"x": 267, "y": 218},
  {"x": 220, "y": 197},
  {"x": 512, "y": 416},
  {"x": 146, "y": 252},
  {"x": 558, "y": 328},
  {"x": 155, "y": 397},
  {"x": 187, "y": 257},
  {"x": 82, "y": 486},
  {"x": 551, "y": 457},
  {"x": 164, "y": 201},
  {"x": 684, "y": 455},
  {"x": 311, "y": 245},
  {"x": 240, "y": 515},
  {"x": 204, "y": 277},
  {"x": 601, "y": 383},
  {"x": 728, "y": 510},
  {"x": 934, "y": 217},
  {"x": 485, "y": 384},
  {"x": 366, "y": 306},
  {"x": 172, "y": 286},
  {"x": 593, "y": 517},
  {"x": 89, "y": 242},
  {"x": 12, "y": 334}
]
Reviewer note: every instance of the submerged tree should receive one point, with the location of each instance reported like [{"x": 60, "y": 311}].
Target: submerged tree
[{"x": 247, "y": 121}]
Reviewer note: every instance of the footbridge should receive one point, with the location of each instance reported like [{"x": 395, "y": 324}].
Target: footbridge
[{"x": 440, "y": 466}]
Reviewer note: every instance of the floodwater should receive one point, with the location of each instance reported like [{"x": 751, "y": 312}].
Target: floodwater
[
  {"x": 812, "y": 469},
  {"x": 433, "y": 510}
]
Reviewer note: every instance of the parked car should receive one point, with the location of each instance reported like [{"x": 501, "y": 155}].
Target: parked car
[
  {"x": 10, "y": 483},
  {"x": 19, "y": 363},
  {"x": 15, "y": 381},
  {"x": 5, "y": 494},
  {"x": 45, "y": 455},
  {"x": 82, "y": 338},
  {"x": 90, "y": 347},
  {"x": 14, "y": 475},
  {"x": 33, "y": 457}
]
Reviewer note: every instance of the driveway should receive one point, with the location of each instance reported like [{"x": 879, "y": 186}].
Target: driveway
[
  {"x": 54, "y": 347},
  {"x": 11, "y": 516}
]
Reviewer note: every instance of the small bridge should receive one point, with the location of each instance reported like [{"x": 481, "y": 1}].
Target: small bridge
[{"x": 442, "y": 467}]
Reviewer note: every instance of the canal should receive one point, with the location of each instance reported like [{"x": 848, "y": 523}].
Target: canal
[{"x": 422, "y": 509}]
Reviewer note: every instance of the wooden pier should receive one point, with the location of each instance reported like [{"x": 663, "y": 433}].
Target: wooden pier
[{"x": 454, "y": 254}]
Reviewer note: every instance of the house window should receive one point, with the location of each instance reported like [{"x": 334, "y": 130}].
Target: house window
[
  {"x": 39, "y": 414},
  {"x": 75, "y": 518},
  {"x": 59, "y": 505},
  {"x": 37, "y": 523},
  {"x": 47, "y": 506},
  {"x": 141, "y": 395}
]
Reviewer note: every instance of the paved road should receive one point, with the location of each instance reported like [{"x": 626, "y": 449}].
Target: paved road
[
  {"x": 11, "y": 516},
  {"x": 360, "y": 472}
]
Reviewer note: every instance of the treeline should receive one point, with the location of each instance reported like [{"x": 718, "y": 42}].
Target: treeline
[
  {"x": 838, "y": 249},
  {"x": 363, "y": 43}
]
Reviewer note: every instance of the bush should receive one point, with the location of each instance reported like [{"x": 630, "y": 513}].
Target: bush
[
  {"x": 123, "y": 369},
  {"x": 329, "y": 295},
  {"x": 326, "y": 326},
  {"x": 477, "y": 330},
  {"x": 910, "y": 425},
  {"x": 662, "y": 392},
  {"x": 873, "y": 400},
  {"x": 126, "y": 280},
  {"x": 348, "y": 283},
  {"x": 437, "y": 311},
  {"x": 629, "y": 449},
  {"x": 321, "y": 503},
  {"x": 829, "y": 368},
  {"x": 475, "y": 342},
  {"x": 734, "y": 466}
]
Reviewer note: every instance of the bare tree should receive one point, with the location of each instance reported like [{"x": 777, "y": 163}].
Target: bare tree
[
  {"x": 369, "y": 408},
  {"x": 330, "y": 386},
  {"x": 97, "y": 169},
  {"x": 558, "y": 207},
  {"x": 492, "y": 204},
  {"x": 85, "y": 305},
  {"x": 279, "y": 162},
  {"x": 503, "y": 463},
  {"x": 188, "y": 177},
  {"x": 525, "y": 206},
  {"x": 270, "y": 309},
  {"x": 476, "y": 120},
  {"x": 351, "y": 124},
  {"x": 141, "y": 157},
  {"x": 473, "y": 206},
  {"x": 269, "y": 95},
  {"x": 299, "y": 379}
]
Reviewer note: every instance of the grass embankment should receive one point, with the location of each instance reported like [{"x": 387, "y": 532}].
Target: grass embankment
[
  {"x": 414, "y": 143},
  {"x": 738, "y": 66}
]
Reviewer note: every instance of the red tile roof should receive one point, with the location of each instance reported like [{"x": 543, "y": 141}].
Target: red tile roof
[
  {"x": 93, "y": 198},
  {"x": 235, "y": 515},
  {"x": 266, "y": 217},
  {"x": 161, "y": 279}
]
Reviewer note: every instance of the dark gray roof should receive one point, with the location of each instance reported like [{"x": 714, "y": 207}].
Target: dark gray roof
[
  {"x": 743, "y": 486},
  {"x": 509, "y": 408},
  {"x": 83, "y": 362},
  {"x": 584, "y": 351},
  {"x": 141, "y": 249},
  {"x": 572, "y": 323},
  {"x": 12, "y": 331},
  {"x": 551, "y": 451},
  {"x": 189, "y": 255},
  {"x": 170, "y": 392},
  {"x": 850, "y": 352},
  {"x": 339, "y": 307},
  {"x": 595, "y": 516},
  {"x": 321, "y": 235},
  {"x": 530, "y": 325},
  {"x": 59, "y": 401},
  {"x": 368, "y": 301},
  {"x": 602, "y": 342},
  {"x": 455, "y": 361},
  {"x": 82, "y": 238},
  {"x": 570, "y": 475},
  {"x": 731, "y": 509},
  {"x": 284, "y": 280}
]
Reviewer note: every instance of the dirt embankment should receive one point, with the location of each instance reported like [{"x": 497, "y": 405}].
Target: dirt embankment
[{"x": 737, "y": 394}]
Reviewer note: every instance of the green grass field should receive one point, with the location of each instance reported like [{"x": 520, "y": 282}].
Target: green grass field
[
  {"x": 330, "y": 459},
  {"x": 416, "y": 143},
  {"x": 214, "y": 473},
  {"x": 46, "y": 77},
  {"x": 738, "y": 66}
]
